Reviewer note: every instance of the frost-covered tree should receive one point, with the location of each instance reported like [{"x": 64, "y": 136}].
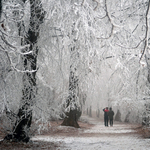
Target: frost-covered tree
[
  {"x": 28, "y": 60},
  {"x": 97, "y": 48},
  {"x": 24, "y": 115},
  {"x": 72, "y": 26},
  {"x": 72, "y": 107},
  {"x": 128, "y": 45},
  {"x": 75, "y": 26}
]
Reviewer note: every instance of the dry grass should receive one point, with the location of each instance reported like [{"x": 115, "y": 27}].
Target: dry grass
[{"x": 144, "y": 131}]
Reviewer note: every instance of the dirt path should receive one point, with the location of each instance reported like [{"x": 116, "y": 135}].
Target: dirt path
[
  {"x": 92, "y": 135},
  {"x": 96, "y": 136}
]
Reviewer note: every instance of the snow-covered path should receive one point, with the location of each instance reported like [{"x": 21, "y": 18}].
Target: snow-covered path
[{"x": 119, "y": 137}]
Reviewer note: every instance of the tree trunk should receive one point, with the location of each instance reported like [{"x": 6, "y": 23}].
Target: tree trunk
[
  {"x": 118, "y": 116},
  {"x": 74, "y": 112},
  {"x": 71, "y": 119},
  {"x": 24, "y": 116},
  {"x": 98, "y": 113},
  {"x": 0, "y": 8}
]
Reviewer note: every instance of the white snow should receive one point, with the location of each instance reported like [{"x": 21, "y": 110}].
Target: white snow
[{"x": 119, "y": 137}]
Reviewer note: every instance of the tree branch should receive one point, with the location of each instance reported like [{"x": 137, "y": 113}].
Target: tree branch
[{"x": 146, "y": 34}]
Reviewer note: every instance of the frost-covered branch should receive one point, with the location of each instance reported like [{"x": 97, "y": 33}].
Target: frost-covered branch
[
  {"x": 112, "y": 26},
  {"x": 146, "y": 31},
  {"x": 97, "y": 4}
]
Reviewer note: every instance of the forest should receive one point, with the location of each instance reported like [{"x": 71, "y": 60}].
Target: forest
[{"x": 60, "y": 59}]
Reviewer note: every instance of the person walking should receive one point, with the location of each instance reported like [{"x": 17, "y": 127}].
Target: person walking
[
  {"x": 106, "y": 116},
  {"x": 111, "y": 115}
]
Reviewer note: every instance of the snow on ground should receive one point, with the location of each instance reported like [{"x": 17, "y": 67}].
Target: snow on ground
[
  {"x": 119, "y": 137},
  {"x": 100, "y": 143}
]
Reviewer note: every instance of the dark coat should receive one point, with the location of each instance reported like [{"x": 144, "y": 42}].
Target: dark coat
[
  {"x": 105, "y": 112},
  {"x": 111, "y": 114}
]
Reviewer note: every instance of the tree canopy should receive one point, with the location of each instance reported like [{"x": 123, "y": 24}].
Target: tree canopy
[{"x": 92, "y": 53}]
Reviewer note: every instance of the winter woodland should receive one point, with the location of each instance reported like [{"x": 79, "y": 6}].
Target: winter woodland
[{"x": 62, "y": 56}]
